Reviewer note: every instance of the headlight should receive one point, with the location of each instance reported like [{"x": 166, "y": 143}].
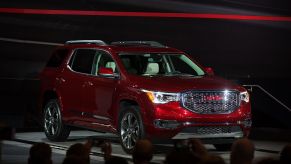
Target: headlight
[
  {"x": 162, "y": 97},
  {"x": 244, "y": 96}
]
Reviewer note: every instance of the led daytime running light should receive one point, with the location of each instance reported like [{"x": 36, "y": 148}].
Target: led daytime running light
[{"x": 162, "y": 97}]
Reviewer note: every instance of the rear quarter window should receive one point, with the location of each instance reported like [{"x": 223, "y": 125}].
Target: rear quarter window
[{"x": 57, "y": 58}]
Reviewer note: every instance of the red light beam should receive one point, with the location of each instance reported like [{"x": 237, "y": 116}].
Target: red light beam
[{"x": 146, "y": 14}]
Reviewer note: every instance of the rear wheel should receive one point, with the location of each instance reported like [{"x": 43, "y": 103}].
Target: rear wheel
[
  {"x": 130, "y": 128},
  {"x": 54, "y": 128}
]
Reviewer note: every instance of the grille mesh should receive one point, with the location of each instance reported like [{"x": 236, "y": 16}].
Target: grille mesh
[
  {"x": 213, "y": 130},
  {"x": 204, "y": 130},
  {"x": 210, "y": 102}
]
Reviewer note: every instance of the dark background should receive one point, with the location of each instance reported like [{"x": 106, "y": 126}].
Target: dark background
[{"x": 248, "y": 52}]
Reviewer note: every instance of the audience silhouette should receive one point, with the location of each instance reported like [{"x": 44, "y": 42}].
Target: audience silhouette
[
  {"x": 143, "y": 152},
  {"x": 285, "y": 155},
  {"x": 40, "y": 153},
  {"x": 190, "y": 151},
  {"x": 79, "y": 152},
  {"x": 242, "y": 152}
]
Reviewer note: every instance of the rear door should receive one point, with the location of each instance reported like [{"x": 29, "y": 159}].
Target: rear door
[{"x": 74, "y": 80}]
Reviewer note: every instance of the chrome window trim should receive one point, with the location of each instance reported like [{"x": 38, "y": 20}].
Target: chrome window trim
[{"x": 91, "y": 75}]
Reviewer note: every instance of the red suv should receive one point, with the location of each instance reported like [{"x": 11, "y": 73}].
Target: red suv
[{"x": 139, "y": 89}]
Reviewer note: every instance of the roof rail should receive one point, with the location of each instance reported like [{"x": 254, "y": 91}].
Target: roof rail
[
  {"x": 97, "y": 42},
  {"x": 138, "y": 43}
]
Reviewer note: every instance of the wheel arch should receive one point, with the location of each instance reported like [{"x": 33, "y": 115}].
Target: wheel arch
[
  {"x": 126, "y": 102},
  {"x": 123, "y": 103},
  {"x": 48, "y": 95},
  {"x": 127, "y": 106},
  {"x": 53, "y": 121}
]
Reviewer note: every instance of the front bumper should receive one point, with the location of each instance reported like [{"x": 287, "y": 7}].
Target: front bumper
[
  {"x": 171, "y": 121},
  {"x": 210, "y": 132}
]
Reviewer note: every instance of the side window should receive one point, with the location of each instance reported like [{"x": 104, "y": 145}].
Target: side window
[
  {"x": 57, "y": 58},
  {"x": 82, "y": 60},
  {"x": 105, "y": 60}
]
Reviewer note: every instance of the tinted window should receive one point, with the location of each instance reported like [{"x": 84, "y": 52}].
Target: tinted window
[
  {"x": 180, "y": 65},
  {"x": 103, "y": 59},
  {"x": 82, "y": 60},
  {"x": 150, "y": 64},
  {"x": 57, "y": 58}
]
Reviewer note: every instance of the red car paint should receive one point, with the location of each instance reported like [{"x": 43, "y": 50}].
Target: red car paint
[{"x": 93, "y": 102}]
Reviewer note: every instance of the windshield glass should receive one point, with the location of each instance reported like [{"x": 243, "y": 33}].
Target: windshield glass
[{"x": 155, "y": 64}]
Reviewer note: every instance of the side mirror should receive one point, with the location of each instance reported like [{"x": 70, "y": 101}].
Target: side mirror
[
  {"x": 103, "y": 71},
  {"x": 209, "y": 71}
]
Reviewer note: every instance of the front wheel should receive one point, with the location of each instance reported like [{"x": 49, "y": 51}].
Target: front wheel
[
  {"x": 130, "y": 128},
  {"x": 54, "y": 128}
]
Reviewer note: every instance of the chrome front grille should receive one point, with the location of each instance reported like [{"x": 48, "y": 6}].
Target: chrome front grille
[{"x": 210, "y": 102}]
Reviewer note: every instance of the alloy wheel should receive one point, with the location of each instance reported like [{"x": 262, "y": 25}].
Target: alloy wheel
[
  {"x": 52, "y": 119},
  {"x": 129, "y": 130}
]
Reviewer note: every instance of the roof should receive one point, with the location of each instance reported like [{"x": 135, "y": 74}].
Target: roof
[{"x": 119, "y": 47}]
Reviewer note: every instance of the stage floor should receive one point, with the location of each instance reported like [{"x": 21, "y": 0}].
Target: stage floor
[{"x": 16, "y": 151}]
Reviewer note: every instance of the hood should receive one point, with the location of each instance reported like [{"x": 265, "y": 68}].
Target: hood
[{"x": 183, "y": 83}]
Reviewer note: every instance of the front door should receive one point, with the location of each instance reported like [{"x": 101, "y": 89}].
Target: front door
[{"x": 98, "y": 93}]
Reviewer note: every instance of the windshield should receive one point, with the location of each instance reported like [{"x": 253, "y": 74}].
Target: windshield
[{"x": 155, "y": 64}]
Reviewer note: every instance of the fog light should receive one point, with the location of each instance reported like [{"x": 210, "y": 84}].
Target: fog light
[
  {"x": 166, "y": 124},
  {"x": 246, "y": 123}
]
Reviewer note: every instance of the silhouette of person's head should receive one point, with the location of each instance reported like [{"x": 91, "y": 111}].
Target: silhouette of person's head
[
  {"x": 182, "y": 156},
  {"x": 197, "y": 147},
  {"x": 242, "y": 152},
  {"x": 268, "y": 161},
  {"x": 40, "y": 153},
  {"x": 212, "y": 159},
  {"x": 116, "y": 160},
  {"x": 285, "y": 155},
  {"x": 143, "y": 151},
  {"x": 81, "y": 151},
  {"x": 74, "y": 160}
]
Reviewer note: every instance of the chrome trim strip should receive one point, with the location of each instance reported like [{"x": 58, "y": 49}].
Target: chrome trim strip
[
  {"x": 188, "y": 123},
  {"x": 209, "y": 123},
  {"x": 95, "y": 116},
  {"x": 220, "y": 135},
  {"x": 101, "y": 117}
]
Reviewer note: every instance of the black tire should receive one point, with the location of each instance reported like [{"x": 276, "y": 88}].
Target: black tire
[
  {"x": 223, "y": 147},
  {"x": 54, "y": 128},
  {"x": 130, "y": 128}
]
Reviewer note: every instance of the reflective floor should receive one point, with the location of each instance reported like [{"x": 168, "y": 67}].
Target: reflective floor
[{"x": 16, "y": 151}]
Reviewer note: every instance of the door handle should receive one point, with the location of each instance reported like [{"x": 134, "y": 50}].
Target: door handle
[
  {"x": 60, "y": 80},
  {"x": 88, "y": 83}
]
